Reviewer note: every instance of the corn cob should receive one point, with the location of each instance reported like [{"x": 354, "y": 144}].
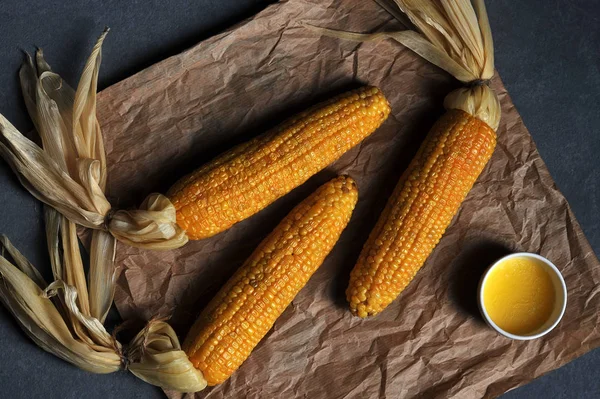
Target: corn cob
[
  {"x": 247, "y": 306},
  {"x": 422, "y": 206},
  {"x": 243, "y": 181}
]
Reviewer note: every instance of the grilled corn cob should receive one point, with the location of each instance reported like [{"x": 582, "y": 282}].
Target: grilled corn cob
[
  {"x": 247, "y": 306},
  {"x": 422, "y": 206},
  {"x": 243, "y": 181}
]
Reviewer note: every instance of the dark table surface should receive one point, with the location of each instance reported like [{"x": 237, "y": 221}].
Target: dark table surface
[{"x": 547, "y": 52}]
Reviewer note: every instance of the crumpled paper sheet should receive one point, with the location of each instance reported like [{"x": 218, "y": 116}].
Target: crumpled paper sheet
[{"x": 431, "y": 342}]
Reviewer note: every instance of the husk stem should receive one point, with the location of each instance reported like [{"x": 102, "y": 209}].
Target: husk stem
[{"x": 454, "y": 35}]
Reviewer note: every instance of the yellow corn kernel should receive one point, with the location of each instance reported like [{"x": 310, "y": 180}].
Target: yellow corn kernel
[
  {"x": 246, "y": 179},
  {"x": 420, "y": 209},
  {"x": 246, "y": 308}
]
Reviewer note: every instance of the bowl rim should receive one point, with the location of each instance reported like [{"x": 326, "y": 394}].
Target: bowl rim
[{"x": 489, "y": 320}]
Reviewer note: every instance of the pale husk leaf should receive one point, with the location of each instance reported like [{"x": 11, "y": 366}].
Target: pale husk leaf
[
  {"x": 56, "y": 90},
  {"x": 61, "y": 232},
  {"x": 486, "y": 35},
  {"x": 102, "y": 273},
  {"x": 51, "y": 127},
  {"x": 53, "y": 221},
  {"x": 156, "y": 357},
  {"x": 73, "y": 264},
  {"x": 93, "y": 326},
  {"x": 85, "y": 124}
]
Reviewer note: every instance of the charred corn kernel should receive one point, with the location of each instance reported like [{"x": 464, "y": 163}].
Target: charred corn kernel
[
  {"x": 246, "y": 179},
  {"x": 247, "y": 306},
  {"x": 420, "y": 209}
]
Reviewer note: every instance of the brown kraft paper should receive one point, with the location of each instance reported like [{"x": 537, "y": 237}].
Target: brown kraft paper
[{"x": 431, "y": 342}]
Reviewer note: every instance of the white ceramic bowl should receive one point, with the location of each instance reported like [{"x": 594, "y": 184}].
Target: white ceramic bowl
[{"x": 561, "y": 297}]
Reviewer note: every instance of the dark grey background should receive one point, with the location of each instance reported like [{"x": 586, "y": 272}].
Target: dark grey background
[{"x": 547, "y": 52}]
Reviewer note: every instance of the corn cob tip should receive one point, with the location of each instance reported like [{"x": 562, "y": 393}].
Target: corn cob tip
[
  {"x": 364, "y": 306},
  {"x": 364, "y": 309},
  {"x": 381, "y": 101},
  {"x": 347, "y": 183}
]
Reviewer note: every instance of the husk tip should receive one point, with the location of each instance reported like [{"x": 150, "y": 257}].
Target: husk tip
[
  {"x": 39, "y": 57},
  {"x": 27, "y": 59}
]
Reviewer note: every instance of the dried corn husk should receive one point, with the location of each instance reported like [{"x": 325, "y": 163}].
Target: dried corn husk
[
  {"x": 61, "y": 328},
  {"x": 69, "y": 173},
  {"x": 51, "y": 324},
  {"x": 455, "y": 35}
]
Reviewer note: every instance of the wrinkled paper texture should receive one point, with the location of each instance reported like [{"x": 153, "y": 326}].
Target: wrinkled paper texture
[{"x": 431, "y": 342}]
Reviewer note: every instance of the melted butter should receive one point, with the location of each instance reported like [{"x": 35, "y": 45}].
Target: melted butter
[{"x": 519, "y": 295}]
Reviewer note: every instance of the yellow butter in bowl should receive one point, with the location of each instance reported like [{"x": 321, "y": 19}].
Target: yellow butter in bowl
[{"x": 522, "y": 296}]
